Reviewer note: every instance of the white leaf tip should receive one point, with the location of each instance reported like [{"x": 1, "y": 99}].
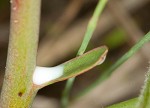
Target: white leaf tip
[{"x": 42, "y": 75}]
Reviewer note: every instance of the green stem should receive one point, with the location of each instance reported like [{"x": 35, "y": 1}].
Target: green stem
[
  {"x": 110, "y": 70},
  {"x": 89, "y": 32},
  {"x": 18, "y": 90},
  {"x": 91, "y": 26},
  {"x": 66, "y": 92}
]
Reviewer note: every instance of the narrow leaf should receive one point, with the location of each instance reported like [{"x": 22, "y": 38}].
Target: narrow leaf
[
  {"x": 44, "y": 76},
  {"x": 144, "y": 98},
  {"x": 127, "y": 104}
]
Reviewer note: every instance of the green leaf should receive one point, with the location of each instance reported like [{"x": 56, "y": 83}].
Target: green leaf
[
  {"x": 144, "y": 98},
  {"x": 127, "y": 104},
  {"x": 81, "y": 64}
]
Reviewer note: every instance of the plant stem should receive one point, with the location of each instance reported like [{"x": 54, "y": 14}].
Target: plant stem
[
  {"x": 18, "y": 90},
  {"x": 89, "y": 32},
  {"x": 91, "y": 26},
  {"x": 66, "y": 92},
  {"x": 110, "y": 70}
]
